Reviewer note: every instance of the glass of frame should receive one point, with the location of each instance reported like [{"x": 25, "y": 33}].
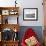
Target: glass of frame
[{"x": 30, "y": 14}]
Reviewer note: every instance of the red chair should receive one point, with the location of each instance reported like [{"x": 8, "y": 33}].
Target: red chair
[{"x": 29, "y": 33}]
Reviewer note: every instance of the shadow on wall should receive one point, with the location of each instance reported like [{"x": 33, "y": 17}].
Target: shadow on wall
[{"x": 37, "y": 29}]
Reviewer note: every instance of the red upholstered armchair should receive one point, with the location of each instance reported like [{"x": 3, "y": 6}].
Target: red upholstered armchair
[{"x": 30, "y": 39}]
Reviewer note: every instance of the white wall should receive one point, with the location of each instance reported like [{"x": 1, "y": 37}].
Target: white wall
[
  {"x": 32, "y": 4},
  {"x": 26, "y": 4}
]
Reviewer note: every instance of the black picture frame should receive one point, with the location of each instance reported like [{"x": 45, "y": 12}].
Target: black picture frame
[{"x": 30, "y": 14}]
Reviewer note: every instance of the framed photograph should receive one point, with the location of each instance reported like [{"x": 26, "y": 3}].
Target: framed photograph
[
  {"x": 30, "y": 14},
  {"x": 13, "y": 12},
  {"x": 5, "y": 12}
]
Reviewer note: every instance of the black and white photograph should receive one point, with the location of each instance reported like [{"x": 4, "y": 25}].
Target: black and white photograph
[{"x": 30, "y": 14}]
